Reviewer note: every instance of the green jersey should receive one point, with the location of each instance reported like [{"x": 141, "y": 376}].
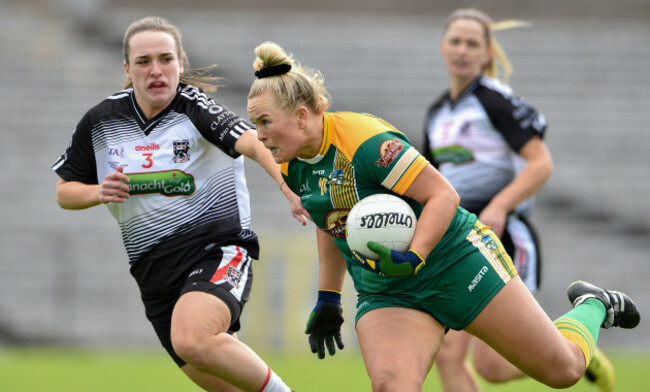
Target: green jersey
[{"x": 362, "y": 155}]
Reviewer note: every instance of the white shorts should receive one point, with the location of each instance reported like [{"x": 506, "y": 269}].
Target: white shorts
[{"x": 522, "y": 244}]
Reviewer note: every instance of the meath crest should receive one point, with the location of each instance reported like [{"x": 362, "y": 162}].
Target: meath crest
[{"x": 181, "y": 151}]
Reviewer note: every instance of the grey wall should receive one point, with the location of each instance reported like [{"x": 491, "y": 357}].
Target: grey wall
[{"x": 64, "y": 275}]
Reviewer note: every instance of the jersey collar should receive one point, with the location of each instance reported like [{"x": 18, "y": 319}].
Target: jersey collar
[
  {"x": 148, "y": 125},
  {"x": 328, "y": 125},
  {"x": 469, "y": 90}
]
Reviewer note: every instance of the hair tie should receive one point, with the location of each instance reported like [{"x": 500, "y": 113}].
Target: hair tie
[{"x": 273, "y": 70}]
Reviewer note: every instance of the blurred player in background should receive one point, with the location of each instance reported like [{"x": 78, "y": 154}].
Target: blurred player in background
[
  {"x": 456, "y": 273},
  {"x": 167, "y": 160},
  {"x": 489, "y": 144}
]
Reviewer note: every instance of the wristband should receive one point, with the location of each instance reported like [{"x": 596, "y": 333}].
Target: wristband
[{"x": 329, "y": 296}]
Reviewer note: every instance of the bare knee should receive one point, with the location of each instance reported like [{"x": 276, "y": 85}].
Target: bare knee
[
  {"x": 190, "y": 349},
  {"x": 452, "y": 366},
  {"x": 492, "y": 367},
  {"x": 564, "y": 376},
  {"x": 493, "y": 371},
  {"x": 197, "y": 321},
  {"x": 565, "y": 368},
  {"x": 453, "y": 352},
  {"x": 449, "y": 358},
  {"x": 388, "y": 381},
  {"x": 392, "y": 387},
  {"x": 196, "y": 351}
]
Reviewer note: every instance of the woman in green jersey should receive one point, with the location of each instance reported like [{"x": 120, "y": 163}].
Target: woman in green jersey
[{"x": 455, "y": 274}]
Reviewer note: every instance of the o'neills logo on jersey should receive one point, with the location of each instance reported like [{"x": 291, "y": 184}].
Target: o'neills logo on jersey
[
  {"x": 151, "y": 147},
  {"x": 181, "y": 151},
  {"x": 388, "y": 151},
  {"x": 167, "y": 183}
]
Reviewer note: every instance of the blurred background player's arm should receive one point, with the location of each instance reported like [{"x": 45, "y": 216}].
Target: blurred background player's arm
[{"x": 539, "y": 166}]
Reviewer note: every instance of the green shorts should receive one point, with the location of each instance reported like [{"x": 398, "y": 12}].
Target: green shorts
[{"x": 456, "y": 290}]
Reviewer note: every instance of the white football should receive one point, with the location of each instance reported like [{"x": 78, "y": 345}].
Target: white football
[{"x": 382, "y": 218}]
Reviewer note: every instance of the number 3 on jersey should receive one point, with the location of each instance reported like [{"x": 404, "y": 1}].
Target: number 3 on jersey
[{"x": 147, "y": 157}]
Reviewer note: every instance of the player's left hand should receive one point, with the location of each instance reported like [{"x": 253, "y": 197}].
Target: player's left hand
[
  {"x": 324, "y": 324},
  {"x": 391, "y": 262}
]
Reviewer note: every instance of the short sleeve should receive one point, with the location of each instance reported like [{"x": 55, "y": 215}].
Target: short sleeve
[
  {"x": 216, "y": 123},
  {"x": 389, "y": 159},
  {"x": 515, "y": 118},
  {"x": 78, "y": 161}
]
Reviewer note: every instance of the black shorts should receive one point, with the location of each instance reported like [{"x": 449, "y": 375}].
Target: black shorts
[{"x": 224, "y": 271}]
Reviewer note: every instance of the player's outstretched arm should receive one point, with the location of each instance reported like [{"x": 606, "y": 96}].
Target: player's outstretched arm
[{"x": 249, "y": 146}]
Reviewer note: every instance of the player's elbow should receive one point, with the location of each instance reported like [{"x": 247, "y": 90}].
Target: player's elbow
[
  {"x": 64, "y": 203},
  {"x": 456, "y": 198},
  {"x": 544, "y": 169},
  {"x": 61, "y": 199},
  {"x": 549, "y": 168},
  {"x": 452, "y": 197},
  {"x": 543, "y": 164}
]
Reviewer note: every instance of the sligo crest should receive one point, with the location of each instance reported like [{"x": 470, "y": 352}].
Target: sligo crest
[
  {"x": 233, "y": 276},
  {"x": 181, "y": 151}
]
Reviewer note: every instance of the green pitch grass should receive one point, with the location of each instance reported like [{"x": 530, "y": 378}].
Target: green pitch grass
[{"x": 126, "y": 371}]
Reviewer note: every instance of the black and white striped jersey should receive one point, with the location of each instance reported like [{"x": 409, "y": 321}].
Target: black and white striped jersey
[
  {"x": 474, "y": 140},
  {"x": 186, "y": 180}
]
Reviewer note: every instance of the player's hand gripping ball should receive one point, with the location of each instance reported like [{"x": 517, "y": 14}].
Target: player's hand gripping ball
[{"x": 388, "y": 223}]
